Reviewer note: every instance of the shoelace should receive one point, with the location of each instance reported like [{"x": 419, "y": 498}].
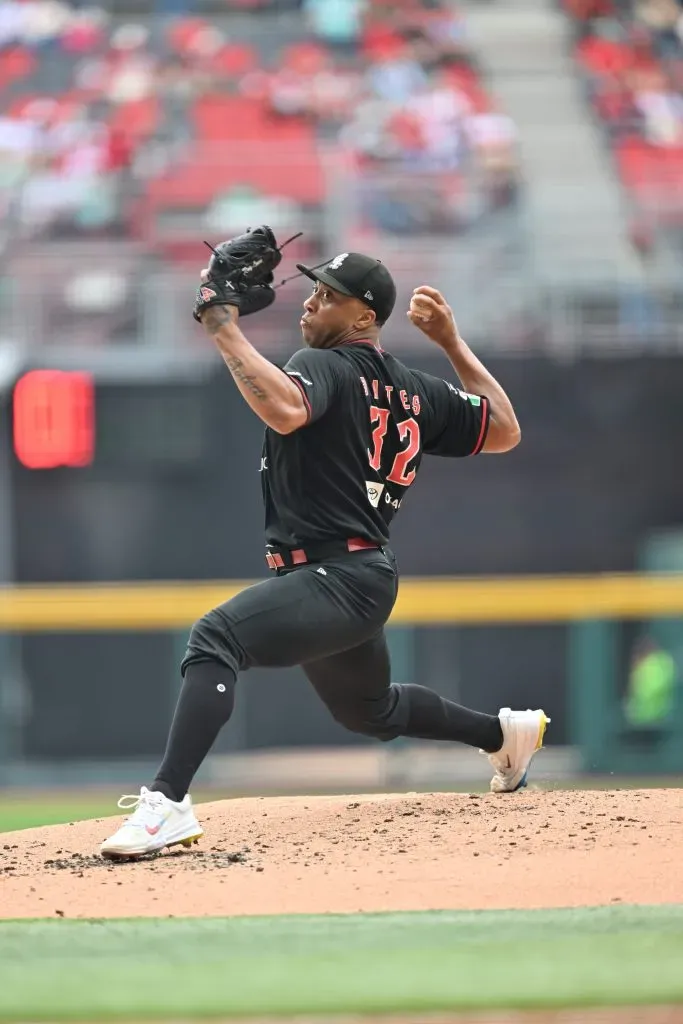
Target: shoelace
[{"x": 145, "y": 806}]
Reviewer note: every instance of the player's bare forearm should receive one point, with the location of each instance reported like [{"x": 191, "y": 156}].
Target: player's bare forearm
[
  {"x": 503, "y": 432},
  {"x": 272, "y": 395},
  {"x": 430, "y": 312}
]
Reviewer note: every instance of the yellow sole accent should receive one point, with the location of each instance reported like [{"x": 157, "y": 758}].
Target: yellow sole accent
[
  {"x": 541, "y": 732},
  {"x": 192, "y": 840}
]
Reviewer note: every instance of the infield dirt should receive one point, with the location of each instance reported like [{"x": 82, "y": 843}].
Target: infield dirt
[{"x": 365, "y": 853}]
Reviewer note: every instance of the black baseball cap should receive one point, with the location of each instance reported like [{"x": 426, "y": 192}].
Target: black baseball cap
[{"x": 362, "y": 277}]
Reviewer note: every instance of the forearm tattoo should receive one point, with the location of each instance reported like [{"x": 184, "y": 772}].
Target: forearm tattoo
[
  {"x": 213, "y": 320},
  {"x": 216, "y": 317},
  {"x": 236, "y": 367}
]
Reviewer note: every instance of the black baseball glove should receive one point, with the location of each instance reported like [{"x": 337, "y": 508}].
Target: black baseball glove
[{"x": 241, "y": 273}]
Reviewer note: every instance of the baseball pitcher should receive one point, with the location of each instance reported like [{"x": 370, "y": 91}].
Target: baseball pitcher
[{"x": 347, "y": 426}]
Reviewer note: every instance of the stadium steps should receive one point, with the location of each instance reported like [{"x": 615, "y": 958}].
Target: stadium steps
[{"x": 576, "y": 220}]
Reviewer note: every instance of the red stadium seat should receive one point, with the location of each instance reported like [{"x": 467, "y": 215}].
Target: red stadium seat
[
  {"x": 295, "y": 174},
  {"x": 136, "y": 119},
  {"x": 604, "y": 57},
  {"x": 380, "y": 41},
  {"x": 19, "y": 106},
  {"x": 653, "y": 173},
  {"x": 461, "y": 77},
  {"x": 221, "y": 117},
  {"x": 60, "y": 107},
  {"x": 235, "y": 60},
  {"x": 635, "y": 159},
  {"x": 305, "y": 58},
  {"x": 183, "y": 32},
  {"x": 672, "y": 168},
  {"x": 584, "y": 10},
  {"x": 15, "y": 64}
]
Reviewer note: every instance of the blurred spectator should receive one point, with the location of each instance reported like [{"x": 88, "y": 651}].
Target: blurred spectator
[
  {"x": 337, "y": 23},
  {"x": 324, "y": 93},
  {"x": 177, "y": 86},
  {"x": 652, "y": 685},
  {"x": 586, "y": 11},
  {"x": 85, "y": 32},
  {"x": 660, "y": 107},
  {"x": 242, "y": 204},
  {"x": 613, "y": 104},
  {"x": 395, "y": 83},
  {"x": 632, "y": 60},
  {"x": 492, "y": 138},
  {"x": 663, "y": 18},
  {"x": 396, "y": 76},
  {"x": 10, "y": 23},
  {"x": 437, "y": 33},
  {"x": 65, "y": 166},
  {"x": 32, "y": 23},
  {"x": 403, "y": 206},
  {"x": 130, "y": 67},
  {"x": 440, "y": 110}
]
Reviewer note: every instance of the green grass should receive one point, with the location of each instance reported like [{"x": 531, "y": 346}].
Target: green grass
[
  {"x": 28, "y": 812},
  {"x": 29, "y": 809},
  {"x": 380, "y": 963}
]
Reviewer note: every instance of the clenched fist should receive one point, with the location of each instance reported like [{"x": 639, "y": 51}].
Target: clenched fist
[{"x": 431, "y": 313}]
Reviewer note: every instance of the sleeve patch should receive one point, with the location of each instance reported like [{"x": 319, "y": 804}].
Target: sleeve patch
[{"x": 465, "y": 395}]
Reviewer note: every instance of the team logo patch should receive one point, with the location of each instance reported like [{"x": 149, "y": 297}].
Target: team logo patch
[
  {"x": 207, "y": 294},
  {"x": 336, "y": 263},
  {"x": 374, "y": 490}
]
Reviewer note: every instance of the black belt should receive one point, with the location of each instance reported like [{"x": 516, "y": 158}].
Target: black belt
[{"x": 285, "y": 558}]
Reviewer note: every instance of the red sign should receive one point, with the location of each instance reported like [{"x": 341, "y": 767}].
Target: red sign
[{"x": 54, "y": 419}]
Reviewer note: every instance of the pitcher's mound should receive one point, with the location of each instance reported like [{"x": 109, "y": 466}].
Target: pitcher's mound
[{"x": 418, "y": 851}]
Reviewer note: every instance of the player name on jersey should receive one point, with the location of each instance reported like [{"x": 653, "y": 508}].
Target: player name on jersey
[{"x": 411, "y": 403}]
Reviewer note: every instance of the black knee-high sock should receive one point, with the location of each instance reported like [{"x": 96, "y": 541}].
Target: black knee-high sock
[
  {"x": 431, "y": 717},
  {"x": 205, "y": 704}
]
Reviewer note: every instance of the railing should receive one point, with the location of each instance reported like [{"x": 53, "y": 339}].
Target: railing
[
  {"x": 148, "y": 312},
  {"x": 442, "y": 228}
]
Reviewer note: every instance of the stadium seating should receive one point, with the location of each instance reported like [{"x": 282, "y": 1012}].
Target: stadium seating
[
  {"x": 631, "y": 63},
  {"x": 198, "y": 109}
]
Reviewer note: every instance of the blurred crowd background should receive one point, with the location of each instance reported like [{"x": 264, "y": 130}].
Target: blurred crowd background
[
  {"x": 525, "y": 156},
  {"x": 111, "y": 123},
  {"x": 128, "y": 130}
]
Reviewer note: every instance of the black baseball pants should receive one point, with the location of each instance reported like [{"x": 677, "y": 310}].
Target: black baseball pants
[{"x": 329, "y": 618}]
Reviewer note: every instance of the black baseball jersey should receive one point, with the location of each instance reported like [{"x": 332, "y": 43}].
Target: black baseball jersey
[{"x": 370, "y": 420}]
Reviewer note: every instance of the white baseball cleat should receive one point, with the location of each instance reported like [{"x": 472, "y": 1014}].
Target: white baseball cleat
[
  {"x": 522, "y": 736},
  {"x": 156, "y": 822}
]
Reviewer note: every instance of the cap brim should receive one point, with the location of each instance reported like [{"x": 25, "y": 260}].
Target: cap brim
[{"x": 320, "y": 275}]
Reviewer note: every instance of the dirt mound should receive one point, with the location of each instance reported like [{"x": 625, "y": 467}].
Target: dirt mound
[{"x": 365, "y": 853}]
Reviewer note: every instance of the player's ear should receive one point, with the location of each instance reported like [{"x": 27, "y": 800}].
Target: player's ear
[{"x": 367, "y": 319}]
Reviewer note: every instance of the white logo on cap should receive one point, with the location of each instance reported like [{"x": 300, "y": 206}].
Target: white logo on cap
[
  {"x": 369, "y": 295},
  {"x": 336, "y": 263}
]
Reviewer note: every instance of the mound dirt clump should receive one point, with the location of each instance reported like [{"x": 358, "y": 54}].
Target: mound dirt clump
[{"x": 365, "y": 853}]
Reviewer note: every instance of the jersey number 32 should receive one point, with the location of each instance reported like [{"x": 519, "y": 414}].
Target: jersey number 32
[{"x": 408, "y": 431}]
